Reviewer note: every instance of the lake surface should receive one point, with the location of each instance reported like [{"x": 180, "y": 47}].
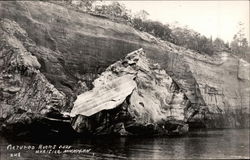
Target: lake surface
[{"x": 215, "y": 144}]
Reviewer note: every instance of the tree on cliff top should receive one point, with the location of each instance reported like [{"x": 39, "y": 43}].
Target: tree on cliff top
[{"x": 239, "y": 45}]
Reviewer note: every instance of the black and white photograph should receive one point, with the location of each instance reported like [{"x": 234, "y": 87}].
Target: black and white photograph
[{"x": 124, "y": 79}]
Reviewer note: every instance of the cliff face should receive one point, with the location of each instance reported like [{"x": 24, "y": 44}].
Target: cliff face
[
  {"x": 26, "y": 94},
  {"x": 64, "y": 46},
  {"x": 224, "y": 86}
]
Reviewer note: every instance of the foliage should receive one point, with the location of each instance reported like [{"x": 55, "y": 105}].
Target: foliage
[
  {"x": 112, "y": 10},
  {"x": 220, "y": 45},
  {"x": 239, "y": 45},
  {"x": 178, "y": 35},
  {"x": 192, "y": 40},
  {"x": 153, "y": 27},
  {"x": 85, "y": 5}
]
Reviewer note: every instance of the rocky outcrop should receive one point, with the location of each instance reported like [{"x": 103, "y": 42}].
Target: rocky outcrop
[
  {"x": 26, "y": 94},
  {"x": 133, "y": 96},
  {"x": 65, "y": 51}
]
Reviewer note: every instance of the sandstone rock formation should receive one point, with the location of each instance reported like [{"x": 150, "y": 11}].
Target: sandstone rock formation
[
  {"x": 146, "y": 93},
  {"x": 224, "y": 86},
  {"x": 26, "y": 94},
  {"x": 62, "y": 51},
  {"x": 106, "y": 96}
]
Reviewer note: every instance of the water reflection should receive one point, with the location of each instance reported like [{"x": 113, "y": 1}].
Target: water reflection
[{"x": 197, "y": 145}]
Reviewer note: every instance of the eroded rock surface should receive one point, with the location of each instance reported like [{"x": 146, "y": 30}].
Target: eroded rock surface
[
  {"x": 26, "y": 95},
  {"x": 104, "y": 97},
  {"x": 133, "y": 96},
  {"x": 225, "y": 87}
]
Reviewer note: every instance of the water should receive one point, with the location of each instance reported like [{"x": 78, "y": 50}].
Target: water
[{"x": 215, "y": 144}]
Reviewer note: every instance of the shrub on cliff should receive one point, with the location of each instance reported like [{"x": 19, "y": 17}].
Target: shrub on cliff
[
  {"x": 153, "y": 27},
  {"x": 179, "y": 36},
  {"x": 113, "y": 10},
  {"x": 239, "y": 46},
  {"x": 193, "y": 40},
  {"x": 220, "y": 45}
]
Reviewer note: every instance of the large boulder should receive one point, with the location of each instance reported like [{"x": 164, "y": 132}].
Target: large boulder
[{"x": 135, "y": 96}]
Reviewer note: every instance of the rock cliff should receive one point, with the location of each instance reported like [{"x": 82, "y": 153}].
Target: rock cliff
[
  {"x": 26, "y": 95},
  {"x": 224, "y": 86},
  {"x": 50, "y": 54}
]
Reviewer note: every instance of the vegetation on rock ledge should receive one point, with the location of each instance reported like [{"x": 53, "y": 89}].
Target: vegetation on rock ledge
[{"x": 181, "y": 36}]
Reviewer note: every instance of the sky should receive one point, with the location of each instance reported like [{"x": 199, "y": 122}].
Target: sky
[{"x": 210, "y": 18}]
